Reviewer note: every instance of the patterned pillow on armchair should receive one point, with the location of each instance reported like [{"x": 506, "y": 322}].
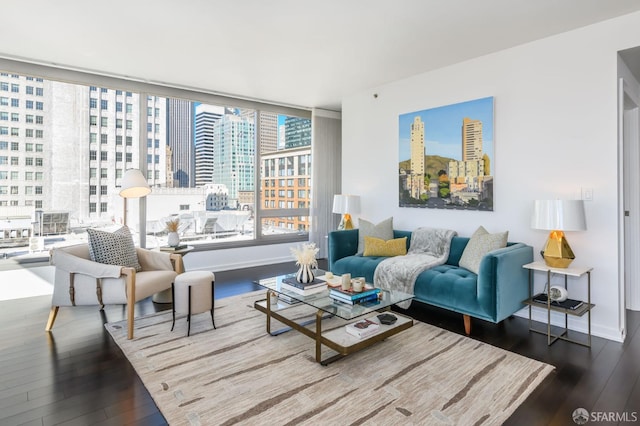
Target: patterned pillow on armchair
[{"x": 113, "y": 248}]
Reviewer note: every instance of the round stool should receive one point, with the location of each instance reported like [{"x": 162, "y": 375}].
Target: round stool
[{"x": 193, "y": 293}]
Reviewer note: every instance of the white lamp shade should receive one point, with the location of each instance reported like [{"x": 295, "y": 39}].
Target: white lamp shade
[
  {"x": 346, "y": 204},
  {"x": 559, "y": 215},
  {"x": 134, "y": 185}
]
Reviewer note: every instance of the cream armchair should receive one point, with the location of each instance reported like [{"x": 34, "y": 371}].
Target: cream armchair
[{"x": 81, "y": 281}]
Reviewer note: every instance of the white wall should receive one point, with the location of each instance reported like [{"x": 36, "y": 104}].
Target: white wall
[{"x": 555, "y": 133}]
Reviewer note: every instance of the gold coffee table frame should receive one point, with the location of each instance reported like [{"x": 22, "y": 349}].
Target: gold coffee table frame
[{"x": 336, "y": 339}]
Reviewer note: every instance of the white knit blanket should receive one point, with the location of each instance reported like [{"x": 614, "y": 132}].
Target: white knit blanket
[{"x": 429, "y": 247}]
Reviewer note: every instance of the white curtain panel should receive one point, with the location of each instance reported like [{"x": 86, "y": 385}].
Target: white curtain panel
[{"x": 326, "y": 137}]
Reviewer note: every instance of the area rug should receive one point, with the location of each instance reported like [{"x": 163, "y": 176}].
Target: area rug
[{"x": 238, "y": 374}]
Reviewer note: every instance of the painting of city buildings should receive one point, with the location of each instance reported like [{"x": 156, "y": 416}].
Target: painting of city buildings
[{"x": 446, "y": 157}]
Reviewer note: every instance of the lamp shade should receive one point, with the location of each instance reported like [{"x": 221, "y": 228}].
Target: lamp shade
[
  {"x": 346, "y": 204},
  {"x": 559, "y": 215},
  {"x": 134, "y": 185}
]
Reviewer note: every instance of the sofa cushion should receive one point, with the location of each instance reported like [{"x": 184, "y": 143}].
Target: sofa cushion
[
  {"x": 358, "y": 266},
  {"x": 481, "y": 243},
  {"x": 379, "y": 247},
  {"x": 113, "y": 248},
  {"x": 449, "y": 287},
  {"x": 382, "y": 230}
]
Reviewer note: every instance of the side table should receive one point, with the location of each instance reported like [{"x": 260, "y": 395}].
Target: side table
[
  {"x": 165, "y": 295},
  {"x": 585, "y": 308}
]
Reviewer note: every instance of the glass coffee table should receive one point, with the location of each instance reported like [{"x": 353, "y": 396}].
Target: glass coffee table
[{"x": 337, "y": 338}]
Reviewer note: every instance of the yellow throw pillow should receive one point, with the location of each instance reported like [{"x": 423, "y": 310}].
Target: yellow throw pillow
[{"x": 379, "y": 247}]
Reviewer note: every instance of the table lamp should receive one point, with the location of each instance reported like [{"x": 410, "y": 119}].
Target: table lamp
[
  {"x": 346, "y": 205},
  {"x": 134, "y": 185},
  {"x": 558, "y": 216}
]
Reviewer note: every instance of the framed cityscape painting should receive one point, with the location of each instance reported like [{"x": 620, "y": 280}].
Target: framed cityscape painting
[{"x": 446, "y": 157}]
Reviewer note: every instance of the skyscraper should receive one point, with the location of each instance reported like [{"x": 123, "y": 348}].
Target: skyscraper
[
  {"x": 233, "y": 156},
  {"x": 268, "y": 132},
  {"x": 180, "y": 140},
  {"x": 297, "y": 132},
  {"x": 206, "y": 116}
]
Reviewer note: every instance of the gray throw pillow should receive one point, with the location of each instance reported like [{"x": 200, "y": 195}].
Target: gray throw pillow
[
  {"x": 113, "y": 248},
  {"x": 481, "y": 243},
  {"x": 382, "y": 230}
]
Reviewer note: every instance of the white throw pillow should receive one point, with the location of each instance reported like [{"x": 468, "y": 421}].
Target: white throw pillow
[
  {"x": 481, "y": 243},
  {"x": 113, "y": 248},
  {"x": 382, "y": 230}
]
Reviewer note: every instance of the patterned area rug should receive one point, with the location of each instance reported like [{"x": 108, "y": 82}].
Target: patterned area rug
[{"x": 237, "y": 374}]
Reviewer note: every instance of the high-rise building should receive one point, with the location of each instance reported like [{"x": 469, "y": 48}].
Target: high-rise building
[
  {"x": 180, "y": 140},
  {"x": 78, "y": 172},
  {"x": 205, "y": 116},
  {"x": 25, "y": 145},
  {"x": 65, "y": 147},
  {"x": 471, "y": 139},
  {"x": 297, "y": 132},
  {"x": 268, "y": 132},
  {"x": 416, "y": 142},
  {"x": 233, "y": 155}
]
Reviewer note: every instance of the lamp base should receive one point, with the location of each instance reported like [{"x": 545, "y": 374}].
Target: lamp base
[
  {"x": 345, "y": 222},
  {"x": 557, "y": 253}
]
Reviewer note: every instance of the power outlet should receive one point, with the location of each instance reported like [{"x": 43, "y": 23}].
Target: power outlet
[{"x": 587, "y": 194}]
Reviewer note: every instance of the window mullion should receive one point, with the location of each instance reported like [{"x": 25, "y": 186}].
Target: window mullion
[{"x": 142, "y": 163}]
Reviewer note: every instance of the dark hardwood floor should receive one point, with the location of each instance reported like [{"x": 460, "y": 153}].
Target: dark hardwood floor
[{"x": 76, "y": 375}]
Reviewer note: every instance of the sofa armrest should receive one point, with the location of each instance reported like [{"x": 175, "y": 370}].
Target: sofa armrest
[
  {"x": 77, "y": 265},
  {"x": 503, "y": 283},
  {"x": 342, "y": 244}
]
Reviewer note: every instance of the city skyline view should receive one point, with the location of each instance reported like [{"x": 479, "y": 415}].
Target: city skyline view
[{"x": 65, "y": 147}]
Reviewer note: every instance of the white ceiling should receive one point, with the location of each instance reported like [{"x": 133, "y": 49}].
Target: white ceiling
[{"x": 292, "y": 52}]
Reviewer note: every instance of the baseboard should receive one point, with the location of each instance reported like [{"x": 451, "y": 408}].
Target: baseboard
[{"x": 578, "y": 324}]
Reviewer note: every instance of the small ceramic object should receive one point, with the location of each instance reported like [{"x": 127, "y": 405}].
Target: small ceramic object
[
  {"x": 558, "y": 293},
  {"x": 357, "y": 284},
  {"x": 346, "y": 281}
]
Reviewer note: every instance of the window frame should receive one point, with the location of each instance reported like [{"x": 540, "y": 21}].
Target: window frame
[{"x": 144, "y": 89}]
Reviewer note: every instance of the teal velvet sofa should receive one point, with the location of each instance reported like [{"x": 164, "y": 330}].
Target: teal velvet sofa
[{"x": 494, "y": 294}]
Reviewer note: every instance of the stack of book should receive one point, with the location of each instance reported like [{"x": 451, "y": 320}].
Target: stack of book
[
  {"x": 566, "y": 304},
  {"x": 363, "y": 328},
  {"x": 352, "y": 298},
  {"x": 304, "y": 289},
  {"x": 288, "y": 299}
]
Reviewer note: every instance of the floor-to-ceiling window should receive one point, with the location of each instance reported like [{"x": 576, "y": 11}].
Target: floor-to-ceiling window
[{"x": 233, "y": 172}]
